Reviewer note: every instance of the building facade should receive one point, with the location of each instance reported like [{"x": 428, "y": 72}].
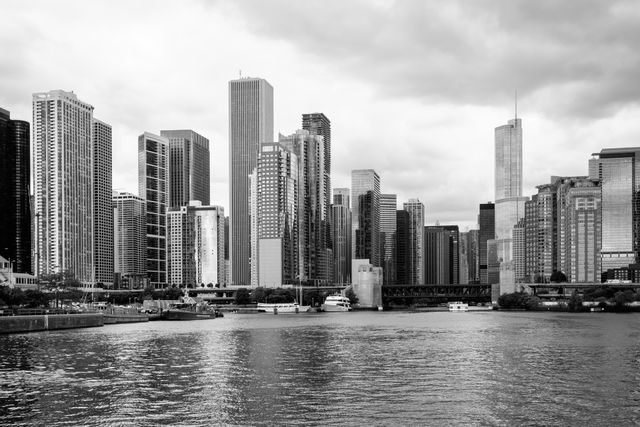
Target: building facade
[
  {"x": 189, "y": 167},
  {"x": 388, "y": 208},
  {"x": 15, "y": 215},
  {"x": 129, "y": 235},
  {"x": 341, "y": 235},
  {"x": 101, "y": 137},
  {"x": 365, "y": 215},
  {"x": 402, "y": 247},
  {"x": 486, "y": 232},
  {"x": 153, "y": 187},
  {"x": 250, "y": 124},
  {"x": 63, "y": 185},
  {"x": 416, "y": 251}
]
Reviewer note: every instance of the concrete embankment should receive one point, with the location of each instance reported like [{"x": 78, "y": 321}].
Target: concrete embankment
[{"x": 49, "y": 322}]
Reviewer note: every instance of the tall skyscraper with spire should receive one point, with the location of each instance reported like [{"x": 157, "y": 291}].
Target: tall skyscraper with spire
[
  {"x": 63, "y": 185},
  {"x": 509, "y": 205},
  {"x": 250, "y": 124}
]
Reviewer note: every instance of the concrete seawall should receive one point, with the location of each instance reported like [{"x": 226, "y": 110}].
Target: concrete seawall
[{"x": 49, "y": 322}]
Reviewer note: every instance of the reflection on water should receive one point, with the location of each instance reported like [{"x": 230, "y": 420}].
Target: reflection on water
[{"x": 490, "y": 368}]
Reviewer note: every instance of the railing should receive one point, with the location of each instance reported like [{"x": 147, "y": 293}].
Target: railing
[{"x": 36, "y": 311}]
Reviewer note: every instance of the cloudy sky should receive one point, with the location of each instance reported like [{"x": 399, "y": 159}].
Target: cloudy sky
[{"x": 413, "y": 89}]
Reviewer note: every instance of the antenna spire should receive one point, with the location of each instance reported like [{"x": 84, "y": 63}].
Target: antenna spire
[{"x": 516, "y": 104}]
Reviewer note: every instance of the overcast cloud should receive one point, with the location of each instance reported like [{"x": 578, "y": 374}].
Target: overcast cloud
[{"x": 414, "y": 89}]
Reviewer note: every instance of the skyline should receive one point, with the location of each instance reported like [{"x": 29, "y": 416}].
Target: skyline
[{"x": 406, "y": 109}]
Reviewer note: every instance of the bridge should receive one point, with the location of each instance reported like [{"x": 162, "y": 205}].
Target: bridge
[{"x": 434, "y": 294}]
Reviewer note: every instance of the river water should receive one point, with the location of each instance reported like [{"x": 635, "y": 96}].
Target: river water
[{"x": 360, "y": 368}]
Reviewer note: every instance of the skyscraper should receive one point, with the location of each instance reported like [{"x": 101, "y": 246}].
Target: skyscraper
[
  {"x": 509, "y": 207},
  {"x": 129, "y": 235},
  {"x": 195, "y": 245},
  {"x": 314, "y": 256},
  {"x": 250, "y": 123},
  {"x": 153, "y": 184},
  {"x": 341, "y": 235},
  {"x": 102, "y": 203},
  {"x": 15, "y": 215},
  {"x": 454, "y": 253},
  {"x": 486, "y": 222},
  {"x": 365, "y": 215},
  {"x": 618, "y": 170},
  {"x": 402, "y": 247},
  {"x": 189, "y": 167},
  {"x": 437, "y": 256},
  {"x": 63, "y": 185},
  {"x": 415, "y": 208},
  {"x": 388, "y": 207},
  {"x": 277, "y": 206}
]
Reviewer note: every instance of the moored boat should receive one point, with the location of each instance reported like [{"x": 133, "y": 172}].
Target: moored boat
[
  {"x": 458, "y": 306},
  {"x": 282, "y": 308},
  {"x": 186, "y": 311},
  {"x": 336, "y": 303}
]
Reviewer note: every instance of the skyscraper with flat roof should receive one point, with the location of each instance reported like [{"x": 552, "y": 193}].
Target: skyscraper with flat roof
[
  {"x": 15, "y": 215},
  {"x": 189, "y": 167},
  {"x": 365, "y": 215},
  {"x": 102, "y": 203},
  {"x": 388, "y": 207},
  {"x": 486, "y": 232},
  {"x": 416, "y": 260},
  {"x": 341, "y": 235},
  {"x": 250, "y": 124},
  {"x": 63, "y": 185},
  {"x": 153, "y": 185},
  {"x": 129, "y": 234}
]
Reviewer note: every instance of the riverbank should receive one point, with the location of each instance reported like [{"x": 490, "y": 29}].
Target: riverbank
[{"x": 49, "y": 322}]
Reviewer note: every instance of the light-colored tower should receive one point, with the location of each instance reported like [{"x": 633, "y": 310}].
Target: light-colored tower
[
  {"x": 314, "y": 255},
  {"x": 416, "y": 266},
  {"x": 63, "y": 184},
  {"x": 253, "y": 215},
  {"x": 102, "y": 203},
  {"x": 277, "y": 207},
  {"x": 365, "y": 215},
  {"x": 250, "y": 123},
  {"x": 195, "y": 245},
  {"x": 129, "y": 234},
  {"x": 189, "y": 167},
  {"x": 509, "y": 206},
  {"x": 618, "y": 170},
  {"x": 388, "y": 208},
  {"x": 341, "y": 235},
  {"x": 153, "y": 185}
]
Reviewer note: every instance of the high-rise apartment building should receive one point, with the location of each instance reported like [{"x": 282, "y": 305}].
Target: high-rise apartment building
[
  {"x": 520, "y": 250},
  {"x": 277, "y": 199},
  {"x": 541, "y": 233},
  {"x": 153, "y": 187},
  {"x": 315, "y": 258},
  {"x": 365, "y": 215},
  {"x": 388, "y": 208},
  {"x": 189, "y": 167},
  {"x": 437, "y": 254},
  {"x": 472, "y": 253},
  {"x": 195, "y": 245},
  {"x": 509, "y": 203},
  {"x": 15, "y": 215},
  {"x": 102, "y": 203},
  {"x": 416, "y": 211},
  {"x": 403, "y": 252},
  {"x": 341, "y": 235},
  {"x": 129, "y": 235},
  {"x": 486, "y": 232},
  {"x": 454, "y": 253},
  {"x": 63, "y": 185},
  {"x": 250, "y": 124},
  {"x": 618, "y": 170}
]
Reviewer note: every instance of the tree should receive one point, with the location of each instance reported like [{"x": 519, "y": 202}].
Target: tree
[
  {"x": 519, "y": 300},
  {"x": 259, "y": 294},
  {"x": 575, "y": 302},
  {"x": 353, "y": 298},
  {"x": 558, "y": 277},
  {"x": 242, "y": 296}
]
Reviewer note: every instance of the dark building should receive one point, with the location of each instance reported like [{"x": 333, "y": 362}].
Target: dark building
[
  {"x": 319, "y": 124},
  {"x": 441, "y": 260},
  {"x": 454, "y": 251},
  {"x": 487, "y": 231},
  {"x": 402, "y": 247},
  {"x": 15, "y": 211}
]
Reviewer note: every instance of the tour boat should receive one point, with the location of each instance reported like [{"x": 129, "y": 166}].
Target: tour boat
[
  {"x": 282, "y": 308},
  {"x": 336, "y": 303},
  {"x": 458, "y": 306}
]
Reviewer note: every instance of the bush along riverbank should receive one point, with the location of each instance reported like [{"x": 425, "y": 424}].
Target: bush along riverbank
[{"x": 618, "y": 302}]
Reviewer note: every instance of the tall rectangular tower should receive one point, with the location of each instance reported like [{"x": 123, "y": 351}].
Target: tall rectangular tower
[
  {"x": 15, "y": 215},
  {"x": 153, "y": 185},
  {"x": 415, "y": 208},
  {"x": 365, "y": 215},
  {"x": 486, "y": 232},
  {"x": 63, "y": 184},
  {"x": 129, "y": 234},
  {"x": 341, "y": 235},
  {"x": 402, "y": 247},
  {"x": 102, "y": 203},
  {"x": 250, "y": 124},
  {"x": 388, "y": 207},
  {"x": 189, "y": 167}
]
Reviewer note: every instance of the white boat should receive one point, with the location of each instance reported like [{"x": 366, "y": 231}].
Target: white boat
[
  {"x": 458, "y": 306},
  {"x": 336, "y": 303},
  {"x": 282, "y": 308}
]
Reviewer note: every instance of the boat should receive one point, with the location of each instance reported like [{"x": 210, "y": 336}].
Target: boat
[
  {"x": 190, "y": 309},
  {"x": 458, "y": 306},
  {"x": 119, "y": 314},
  {"x": 282, "y": 308},
  {"x": 336, "y": 303}
]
